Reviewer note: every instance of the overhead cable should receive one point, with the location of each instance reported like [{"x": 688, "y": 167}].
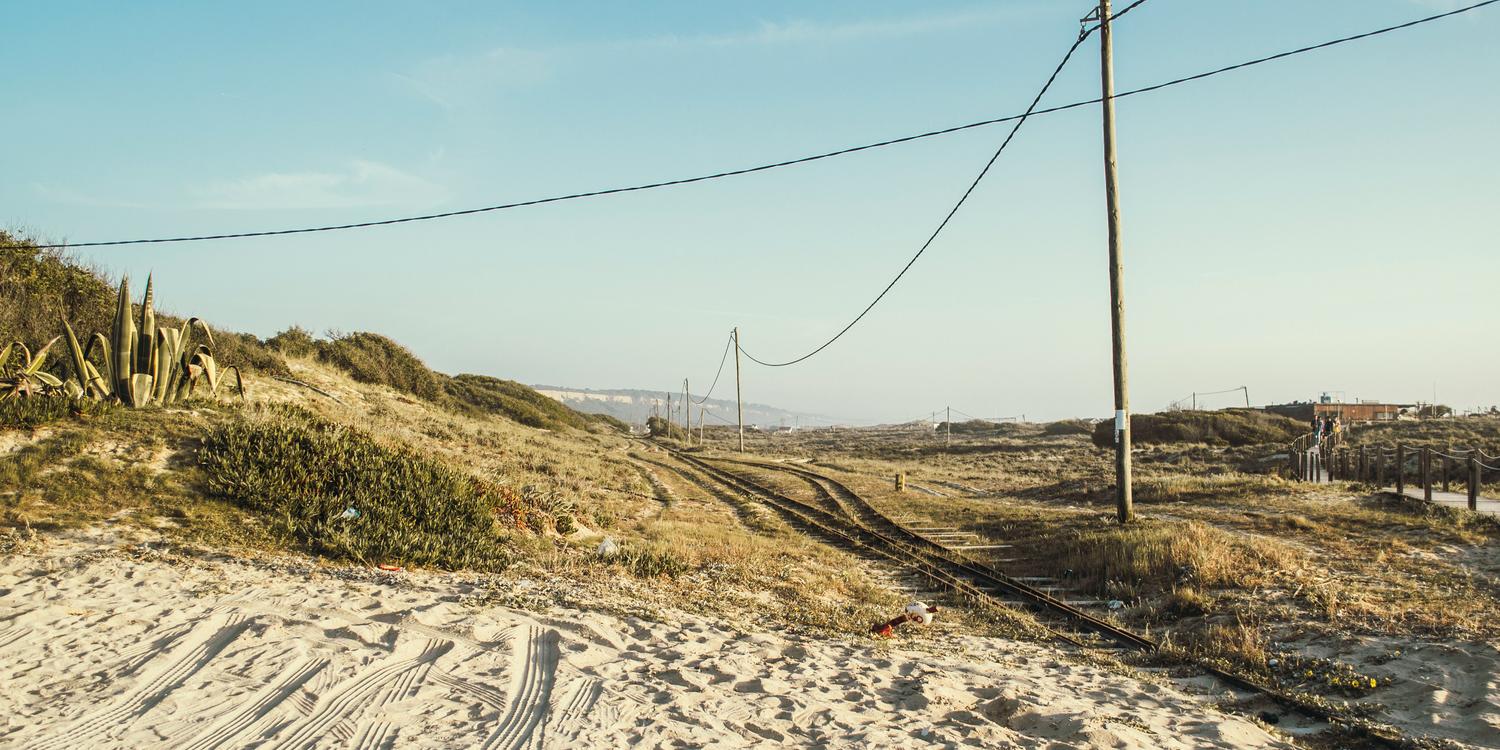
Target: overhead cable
[{"x": 762, "y": 167}]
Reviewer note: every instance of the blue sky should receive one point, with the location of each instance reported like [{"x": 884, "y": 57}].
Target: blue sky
[{"x": 1320, "y": 223}]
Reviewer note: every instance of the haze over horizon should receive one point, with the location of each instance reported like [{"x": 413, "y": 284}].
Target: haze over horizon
[{"x": 1316, "y": 224}]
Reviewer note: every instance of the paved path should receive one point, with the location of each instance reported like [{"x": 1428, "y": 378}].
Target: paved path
[{"x": 1453, "y": 499}]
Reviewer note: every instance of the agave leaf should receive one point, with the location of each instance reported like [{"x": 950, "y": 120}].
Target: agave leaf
[
  {"x": 34, "y": 366},
  {"x": 140, "y": 389},
  {"x": 205, "y": 359},
  {"x": 80, "y": 361},
  {"x": 145, "y": 355},
  {"x": 5, "y": 355},
  {"x": 48, "y": 379},
  {"x": 110, "y": 383},
  {"x": 166, "y": 361},
  {"x": 73, "y": 389},
  {"x": 123, "y": 347},
  {"x": 239, "y": 380},
  {"x": 99, "y": 385}
]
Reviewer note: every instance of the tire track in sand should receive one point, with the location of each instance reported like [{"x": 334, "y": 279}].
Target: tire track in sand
[
  {"x": 158, "y": 679},
  {"x": 354, "y": 695},
  {"x": 531, "y": 691},
  {"x": 236, "y": 728}
]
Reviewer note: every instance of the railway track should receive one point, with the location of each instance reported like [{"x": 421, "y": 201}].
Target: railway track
[{"x": 840, "y": 516}]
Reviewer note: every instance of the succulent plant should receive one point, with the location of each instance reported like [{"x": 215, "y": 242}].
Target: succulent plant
[
  {"x": 145, "y": 363},
  {"x": 26, "y": 378}
]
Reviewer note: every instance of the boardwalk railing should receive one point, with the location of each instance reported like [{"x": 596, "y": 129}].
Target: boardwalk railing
[{"x": 1311, "y": 460}]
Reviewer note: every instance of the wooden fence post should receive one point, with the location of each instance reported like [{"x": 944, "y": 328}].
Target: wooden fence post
[
  {"x": 1426, "y": 474},
  {"x": 1364, "y": 465},
  {"x": 1447, "y": 468},
  {"x": 1380, "y": 468},
  {"x": 1400, "y": 469},
  {"x": 900, "y": 481},
  {"x": 1473, "y": 481}
]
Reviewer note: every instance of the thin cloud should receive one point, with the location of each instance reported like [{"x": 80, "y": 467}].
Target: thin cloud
[
  {"x": 453, "y": 81},
  {"x": 363, "y": 183}
]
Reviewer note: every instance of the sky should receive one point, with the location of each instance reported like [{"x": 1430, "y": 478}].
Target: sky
[{"x": 1323, "y": 223}]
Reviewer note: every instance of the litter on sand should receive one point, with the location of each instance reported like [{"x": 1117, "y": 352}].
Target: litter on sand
[{"x": 916, "y": 612}]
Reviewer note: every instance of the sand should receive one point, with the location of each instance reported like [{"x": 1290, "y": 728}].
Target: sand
[{"x": 107, "y": 645}]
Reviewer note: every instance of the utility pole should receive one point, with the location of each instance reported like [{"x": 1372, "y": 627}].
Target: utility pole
[
  {"x": 738, "y": 401},
  {"x": 669, "y": 416},
  {"x": 1123, "y": 499},
  {"x": 700, "y": 424},
  {"x": 948, "y": 441},
  {"x": 1195, "y": 400},
  {"x": 687, "y": 413}
]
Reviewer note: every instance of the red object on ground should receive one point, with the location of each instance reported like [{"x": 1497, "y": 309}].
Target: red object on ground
[
  {"x": 389, "y": 568},
  {"x": 887, "y": 629}
]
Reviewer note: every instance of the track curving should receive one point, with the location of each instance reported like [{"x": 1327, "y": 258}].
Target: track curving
[{"x": 869, "y": 532}]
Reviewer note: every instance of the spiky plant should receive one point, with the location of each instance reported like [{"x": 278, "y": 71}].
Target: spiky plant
[
  {"x": 26, "y": 378},
  {"x": 145, "y": 363}
]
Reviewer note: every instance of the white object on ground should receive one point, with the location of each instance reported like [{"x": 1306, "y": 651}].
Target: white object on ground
[
  {"x": 608, "y": 547},
  {"x": 919, "y": 611}
]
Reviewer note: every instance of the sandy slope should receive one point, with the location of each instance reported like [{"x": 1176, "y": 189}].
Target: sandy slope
[{"x": 101, "y": 647}]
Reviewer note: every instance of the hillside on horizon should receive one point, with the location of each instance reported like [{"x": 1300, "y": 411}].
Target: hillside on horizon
[{"x": 635, "y": 405}]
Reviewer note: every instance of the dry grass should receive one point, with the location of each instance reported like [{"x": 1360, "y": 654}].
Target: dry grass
[{"x": 1151, "y": 558}]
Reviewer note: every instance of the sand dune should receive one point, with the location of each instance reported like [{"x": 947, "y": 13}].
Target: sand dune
[{"x": 117, "y": 648}]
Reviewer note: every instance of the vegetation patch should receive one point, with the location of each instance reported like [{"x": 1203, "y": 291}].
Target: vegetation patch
[
  {"x": 31, "y": 413},
  {"x": 372, "y": 358},
  {"x": 344, "y": 495},
  {"x": 1148, "y": 558},
  {"x": 1235, "y": 427}
]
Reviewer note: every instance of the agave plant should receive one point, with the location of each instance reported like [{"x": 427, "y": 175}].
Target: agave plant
[
  {"x": 27, "y": 378},
  {"x": 145, "y": 363}
]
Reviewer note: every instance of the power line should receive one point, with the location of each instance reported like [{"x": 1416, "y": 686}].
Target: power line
[
  {"x": 1032, "y": 110},
  {"x": 722, "y": 359},
  {"x": 763, "y": 167},
  {"x": 1082, "y": 35}
]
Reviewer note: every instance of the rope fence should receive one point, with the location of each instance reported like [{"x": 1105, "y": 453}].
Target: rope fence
[{"x": 1310, "y": 459}]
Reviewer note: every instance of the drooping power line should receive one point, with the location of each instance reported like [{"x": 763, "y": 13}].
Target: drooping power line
[
  {"x": 762, "y": 167},
  {"x": 722, "y": 359},
  {"x": 1022, "y": 118},
  {"x": 1082, "y": 35}
]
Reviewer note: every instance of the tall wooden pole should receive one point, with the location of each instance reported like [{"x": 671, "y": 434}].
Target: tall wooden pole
[
  {"x": 687, "y": 413},
  {"x": 738, "y": 400},
  {"x": 948, "y": 425},
  {"x": 1123, "y": 498},
  {"x": 669, "y": 416}
]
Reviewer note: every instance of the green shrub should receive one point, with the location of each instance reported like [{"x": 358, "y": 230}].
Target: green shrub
[
  {"x": 1235, "y": 427},
  {"x": 1068, "y": 427},
  {"x": 307, "y": 474},
  {"x": 487, "y": 395},
  {"x": 294, "y": 342},
  {"x": 372, "y": 358}
]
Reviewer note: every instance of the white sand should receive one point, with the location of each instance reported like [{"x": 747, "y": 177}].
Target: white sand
[{"x": 100, "y": 648}]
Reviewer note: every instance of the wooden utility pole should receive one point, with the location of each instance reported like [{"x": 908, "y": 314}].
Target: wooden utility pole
[
  {"x": 669, "y": 416},
  {"x": 700, "y": 424},
  {"x": 1123, "y": 499},
  {"x": 687, "y": 413},
  {"x": 739, "y": 403},
  {"x": 948, "y": 425}
]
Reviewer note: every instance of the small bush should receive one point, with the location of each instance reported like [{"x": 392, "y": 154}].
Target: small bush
[
  {"x": 486, "y": 395},
  {"x": 305, "y": 473},
  {"x": 372, "y": 358},
  {"x": 1235, "y": 427},
  {"x": 294, "y": 342},
  {"x": 1068, "y": 427}
]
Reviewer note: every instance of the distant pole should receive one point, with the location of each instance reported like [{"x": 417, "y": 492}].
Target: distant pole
[
  {"x": 700, "y": 425},
  {"x": 739, "y": 402},
  {"x": 1195, "y": 400},
  {"x": 1123, "y": 499},
  {"x": 669, "y": 416},
  {"x": 687, "y": 413},
  {"x": 1246, "y": 389},
  {"x": 949, "y": 425}
]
